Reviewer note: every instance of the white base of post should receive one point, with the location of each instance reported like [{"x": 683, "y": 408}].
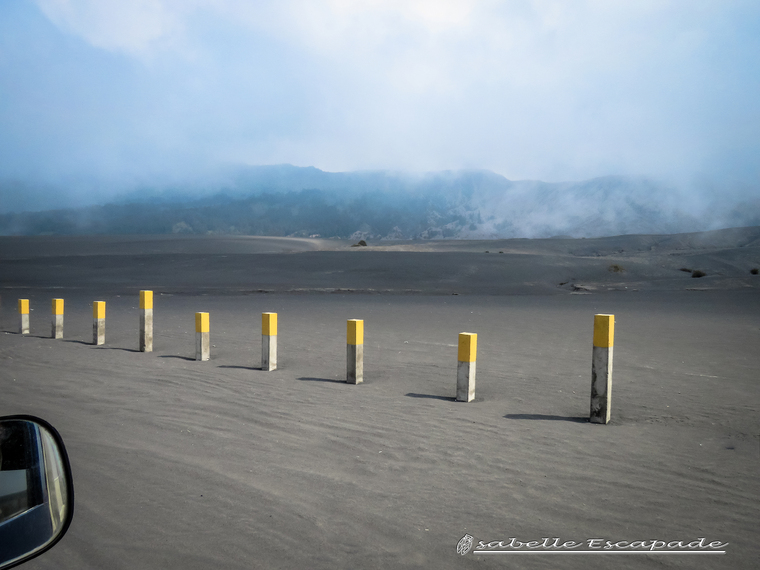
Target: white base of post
[
  {"x": 146, "y": 330},
  {"x": 98, "y": 331},
  {"x": 201, "y": 346},
  {"x": 268, "y": 352},
  {"x": 601, "y": 385},
  {"x": 465, "y": 381},
  {"x": 57, "y": 329},
  {"x": 23, "y": 326},
  {"x": 354, "y": 363}
]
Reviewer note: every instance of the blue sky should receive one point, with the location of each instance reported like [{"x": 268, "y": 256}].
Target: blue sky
[{"x": 106, "y": 95}]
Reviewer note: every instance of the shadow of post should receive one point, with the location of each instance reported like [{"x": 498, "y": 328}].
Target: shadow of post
[
  {"x": 546, "y": 417},
  {"x": 432, "y": 397}
]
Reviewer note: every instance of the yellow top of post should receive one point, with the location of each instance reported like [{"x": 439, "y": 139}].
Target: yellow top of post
[
  {"x": 604, "y": 330},
  {"x": 269, "y": 324},
  {"x": 23, "y": 306},
  {"x": 57, "y": 306},
  {"x": 355, "y": 331},
  {"x": 99, "y": 309},
  {"x": 146, "y": 299},
  {"x": 468, "y": 347},
  {"x": 201, "y": 322}
]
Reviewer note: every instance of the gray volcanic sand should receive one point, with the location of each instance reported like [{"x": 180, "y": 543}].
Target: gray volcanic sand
[{"x": 184, "y": 464}]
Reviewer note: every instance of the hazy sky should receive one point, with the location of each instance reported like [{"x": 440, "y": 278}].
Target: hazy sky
[{"x": 135, "y": 91}]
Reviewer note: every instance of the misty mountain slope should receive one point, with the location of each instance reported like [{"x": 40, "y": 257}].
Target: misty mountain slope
[
  {"x": 599, "y": 207},
  {"x": 286, "y": 200}
]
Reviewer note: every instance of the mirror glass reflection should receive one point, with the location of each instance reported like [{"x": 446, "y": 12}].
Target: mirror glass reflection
[{"x": 34, "y": 490}]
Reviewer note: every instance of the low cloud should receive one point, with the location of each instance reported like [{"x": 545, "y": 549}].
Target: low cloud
[{"x": 115, "y": 95}]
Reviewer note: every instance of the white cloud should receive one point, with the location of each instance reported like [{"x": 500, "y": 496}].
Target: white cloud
[
  {"x": 534, "y": 88},
  {"x": 134, "y": 27}
]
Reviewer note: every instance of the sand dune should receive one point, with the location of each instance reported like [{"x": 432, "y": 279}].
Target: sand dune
[
  {"x": 244, "y": 265},
  {"x": 61, "y": 246},
  {"x": 182, "y": 464}
]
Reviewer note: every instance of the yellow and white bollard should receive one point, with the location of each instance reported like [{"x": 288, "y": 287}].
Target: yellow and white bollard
[
  {"x": 201, "y": 336},
  {"x": 601, "y": 369},
  {"x": 23, "y": 316},
  {"x": 98, "y": 322},
  {"x": 57, "y": 329},
  {"x": 355, "y": 351},
  {"x": 468, "y": 351},
  {"x": 269, "y": 341},
  {"x": 146, "y": 321}
]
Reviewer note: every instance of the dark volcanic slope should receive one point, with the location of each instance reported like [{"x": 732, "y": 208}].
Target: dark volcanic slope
[
  {"x": 389, "y": 272},
  {"x": 172, "y": 264},
  {"x": 16, "y": 247}
]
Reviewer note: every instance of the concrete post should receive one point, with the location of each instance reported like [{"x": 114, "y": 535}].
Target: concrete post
[
  {"x": 468, "y": 351},
  {"x": 201, "y": 336},
  {"x": 601, "y": 369},
  {"x": 146, "y": 321},
  {"x": 23, "y": 315},
  {"x": 269, "y": 341},
  {"x": 57, "y": 329},
  {"x": 98, "y": 322},
  {"x": 355, "y": 352}
]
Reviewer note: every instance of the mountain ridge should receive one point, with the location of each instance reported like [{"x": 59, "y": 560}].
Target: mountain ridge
[{"x": 285, "y": 200}]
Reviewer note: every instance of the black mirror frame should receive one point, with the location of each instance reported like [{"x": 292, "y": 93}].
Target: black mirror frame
[{"x": 69, "y": 484}]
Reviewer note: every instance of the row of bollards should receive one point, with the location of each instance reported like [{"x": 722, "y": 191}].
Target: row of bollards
[
  {"x": 146, "y": 321},
  {"x": 57, "y": 331},
  {"x": 601, "y": 367},
  {"x": 99, "y": 322},
  {"x": 202, "y": 348},
  {"x": 268, "y": 341},
  {"x": 467, "y": 353},
  {"x": 355, "y": 351},
  {"x": 23, "y": 311}
]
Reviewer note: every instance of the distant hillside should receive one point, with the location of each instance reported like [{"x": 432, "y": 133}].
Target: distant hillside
[{"x": 290, "y": 201}]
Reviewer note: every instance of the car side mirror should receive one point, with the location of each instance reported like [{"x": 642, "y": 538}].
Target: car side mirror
[{"x": 36, "y": 490}]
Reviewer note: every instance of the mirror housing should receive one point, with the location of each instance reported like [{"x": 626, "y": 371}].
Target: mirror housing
[{"x": 36, "y": 489}]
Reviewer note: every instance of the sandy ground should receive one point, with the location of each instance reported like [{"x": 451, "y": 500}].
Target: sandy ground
[{"x": 184, "y": 464}]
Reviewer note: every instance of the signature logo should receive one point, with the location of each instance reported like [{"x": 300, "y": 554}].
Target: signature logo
[
  {"x": 465, "y": 544},
  {"x": 556, "y": 545}
]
